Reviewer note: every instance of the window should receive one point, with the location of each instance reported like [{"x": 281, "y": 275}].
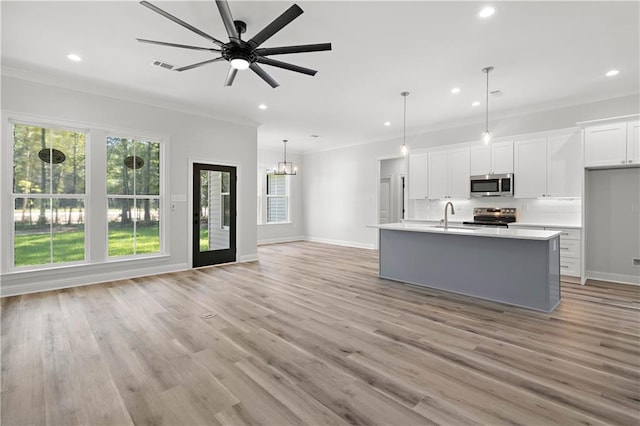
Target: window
[
  {"x": 225, "y": 201},
  {"x": 133, "y": 196},
  {"x": 277, "y": 198},
  {"x": 48, "y": 195}
]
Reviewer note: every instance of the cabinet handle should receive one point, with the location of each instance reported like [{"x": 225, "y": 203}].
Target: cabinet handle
[
  {"x": 564, "y": 233},
  {"x": 564, "y": 266},
  {"x": 564, "y": 248},
  {"x": 623, "y": 161},
  {"x": 630, "y": 161}
]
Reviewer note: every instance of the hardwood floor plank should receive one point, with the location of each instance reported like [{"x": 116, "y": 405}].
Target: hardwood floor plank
[{"x": 311, "y": 335}]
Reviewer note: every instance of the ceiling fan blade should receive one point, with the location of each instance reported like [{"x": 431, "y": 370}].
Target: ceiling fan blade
[
  {"x": 293, "y": 49},
  {"x": 199, "y": 64},
  {"x": 230, "y": 76},
  {"x": 263, "y": 75},
  {"x": 279, "y": 23},
  {"x": 181, "y": 22},
  {"x": 182, "y": 46},
  {"x": 225, "y": 13},
  {"x": 286, "y": 66}
]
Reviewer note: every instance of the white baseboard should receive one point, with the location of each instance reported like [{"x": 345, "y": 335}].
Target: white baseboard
[
  {"x": 247, "y": 258},
  {"x": 87, "y": 279},
  {"x": 341, "y": 243},
  {"x": 614, "y": 278},
  {"x": 280, "y": 240}
]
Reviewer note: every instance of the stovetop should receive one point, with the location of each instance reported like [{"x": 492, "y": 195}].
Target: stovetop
[{"x": 492, "y": 216}]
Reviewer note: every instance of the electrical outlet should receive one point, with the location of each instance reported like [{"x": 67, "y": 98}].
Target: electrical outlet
[{"x": 636, "y": 261}]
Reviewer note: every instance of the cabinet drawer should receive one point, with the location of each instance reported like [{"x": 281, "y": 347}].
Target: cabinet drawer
[
  {"x": 570, "y": 267},
  {"x": 567, "y": 234},
  {"x": 569, "y": 248}
]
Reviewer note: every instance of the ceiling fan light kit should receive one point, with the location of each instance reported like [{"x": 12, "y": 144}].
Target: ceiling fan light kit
[{"x": 241, "y": 54}]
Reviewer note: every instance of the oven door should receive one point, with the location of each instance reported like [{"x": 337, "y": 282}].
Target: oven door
[{"x": 485, "y": 186}]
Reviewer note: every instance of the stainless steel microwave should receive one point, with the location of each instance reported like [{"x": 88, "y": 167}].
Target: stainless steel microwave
[{"x": 492, "y": 185}]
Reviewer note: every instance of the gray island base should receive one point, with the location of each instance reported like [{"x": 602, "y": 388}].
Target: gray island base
[{"x": 517, "y": 268}]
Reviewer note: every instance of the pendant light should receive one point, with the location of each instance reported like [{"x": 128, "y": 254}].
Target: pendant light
[
  {"x": 486, "y": 136},
  {"x": 404, "y": 149},
  {"x": 285, "y": 167}
]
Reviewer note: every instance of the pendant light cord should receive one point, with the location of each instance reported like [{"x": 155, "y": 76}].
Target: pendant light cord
[{"x": 487, "y": 104}]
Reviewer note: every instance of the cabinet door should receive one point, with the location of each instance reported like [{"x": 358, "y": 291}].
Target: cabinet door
[
  {"x": 605, "y": 145},
  {"x": 480, "y": 162},
  {"x": 502, "y": 157},
  {"x": 530, "y": 168},
  {"x": 564, "y": 165},
  {"x": 459, "y": 173},
  {"x": 633, "y": 142},
  {"x": 437, "y": 175},
  {"x": 418, "y": 176}
]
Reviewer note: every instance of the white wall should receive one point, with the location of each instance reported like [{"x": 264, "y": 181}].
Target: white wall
[
  {"x": 281, "y": 232},
  {"x": 612, "y": 201},
  {"x": 190, "y": 137},
  {"x": 340, "y": 187}
]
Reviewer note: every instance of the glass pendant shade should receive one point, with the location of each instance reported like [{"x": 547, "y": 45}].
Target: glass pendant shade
[{"x": 486, "y": 135}]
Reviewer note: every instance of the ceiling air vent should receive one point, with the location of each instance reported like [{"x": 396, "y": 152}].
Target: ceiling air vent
[{"x": 157, "y": 63}]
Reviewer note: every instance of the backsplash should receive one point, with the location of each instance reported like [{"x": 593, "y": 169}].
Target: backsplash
[{"x": 545, "y": 211}]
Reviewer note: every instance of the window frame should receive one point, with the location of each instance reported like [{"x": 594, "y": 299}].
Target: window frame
[
  {"x": 135, "y": 136},
  {"x": 266, "y": 196},
  {"x": 50, "y": 196}
]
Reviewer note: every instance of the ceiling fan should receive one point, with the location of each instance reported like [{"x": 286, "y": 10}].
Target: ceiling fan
[{"x": 239, "y": 53}]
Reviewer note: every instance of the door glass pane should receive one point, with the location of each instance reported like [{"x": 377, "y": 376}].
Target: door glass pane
[{"x": 215, "y": 210}]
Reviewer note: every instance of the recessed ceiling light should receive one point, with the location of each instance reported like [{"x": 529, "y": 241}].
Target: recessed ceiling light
[
  {"x": 475, "y": 104},
  {"x": 262, "y": 106},
  {"x": 73, "y": 57},
  {"x": 486, "y": 12},
  {"x": 387, "y": 123},
  {"x": 611, "y": 73},
  {"x": 455, "y": 90}
]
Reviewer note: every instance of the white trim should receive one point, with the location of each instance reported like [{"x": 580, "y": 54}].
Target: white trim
[
  {"x": 343, "y": 243},
  {"x": 606, "y": 120},
  {"x": 280, "y": 240},
  {"x": 614, "y": 278},
  {"x": 246, "y": 258},
  {"x": 97, "y": 277}
]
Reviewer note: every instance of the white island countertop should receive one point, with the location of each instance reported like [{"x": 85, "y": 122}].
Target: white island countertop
[{"x": 496, "y": 232}]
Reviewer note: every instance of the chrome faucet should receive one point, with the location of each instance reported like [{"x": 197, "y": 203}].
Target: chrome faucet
[{"x": 446, "y": 218}]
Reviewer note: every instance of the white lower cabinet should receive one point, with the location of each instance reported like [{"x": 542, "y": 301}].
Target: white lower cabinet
[{"x": 570, "y": 248}]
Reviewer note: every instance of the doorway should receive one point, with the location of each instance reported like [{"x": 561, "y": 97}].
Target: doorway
[
  {"x": 214, "y": 214},
  {"x": 391, "y": 190}
]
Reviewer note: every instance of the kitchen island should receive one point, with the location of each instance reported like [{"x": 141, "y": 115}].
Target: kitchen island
[{"x": 515, "y": 266}]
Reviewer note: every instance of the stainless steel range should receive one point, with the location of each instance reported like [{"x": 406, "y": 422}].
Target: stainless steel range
[{"x": 493, "y": 216}]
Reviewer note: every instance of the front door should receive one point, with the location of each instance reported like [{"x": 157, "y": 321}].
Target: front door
[{"x": 214, "y": 214}]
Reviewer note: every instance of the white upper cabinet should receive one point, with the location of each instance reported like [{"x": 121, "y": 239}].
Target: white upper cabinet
[
  {"x": 633, "y": 142},
  {"x": 530, "y": 168},
  {"x": 564, "y": 165},
  {"x": 548, "y": 166},
  {"x": 605, "y": 145},
  {"x": 449, "y": 174},
  {"x": 502, "y": 157},
  {"x": 480, "y": 162},
  {"x": 418, "y": 186},
  {"x": 438, "y": 175},
  {"x": 494, "y": 159}
]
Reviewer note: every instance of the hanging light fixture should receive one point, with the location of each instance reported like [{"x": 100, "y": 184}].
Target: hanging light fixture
[
  {"x": 404, "y": 148},
  {"x": 285, "y": 167},
  {"x": 486, "y": 136}
]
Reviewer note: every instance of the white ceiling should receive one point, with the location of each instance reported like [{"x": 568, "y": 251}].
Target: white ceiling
[{"x": 545, "y": 54}]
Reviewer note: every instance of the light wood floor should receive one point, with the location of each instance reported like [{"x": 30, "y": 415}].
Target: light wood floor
[{"x": 311, "y": 335}]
